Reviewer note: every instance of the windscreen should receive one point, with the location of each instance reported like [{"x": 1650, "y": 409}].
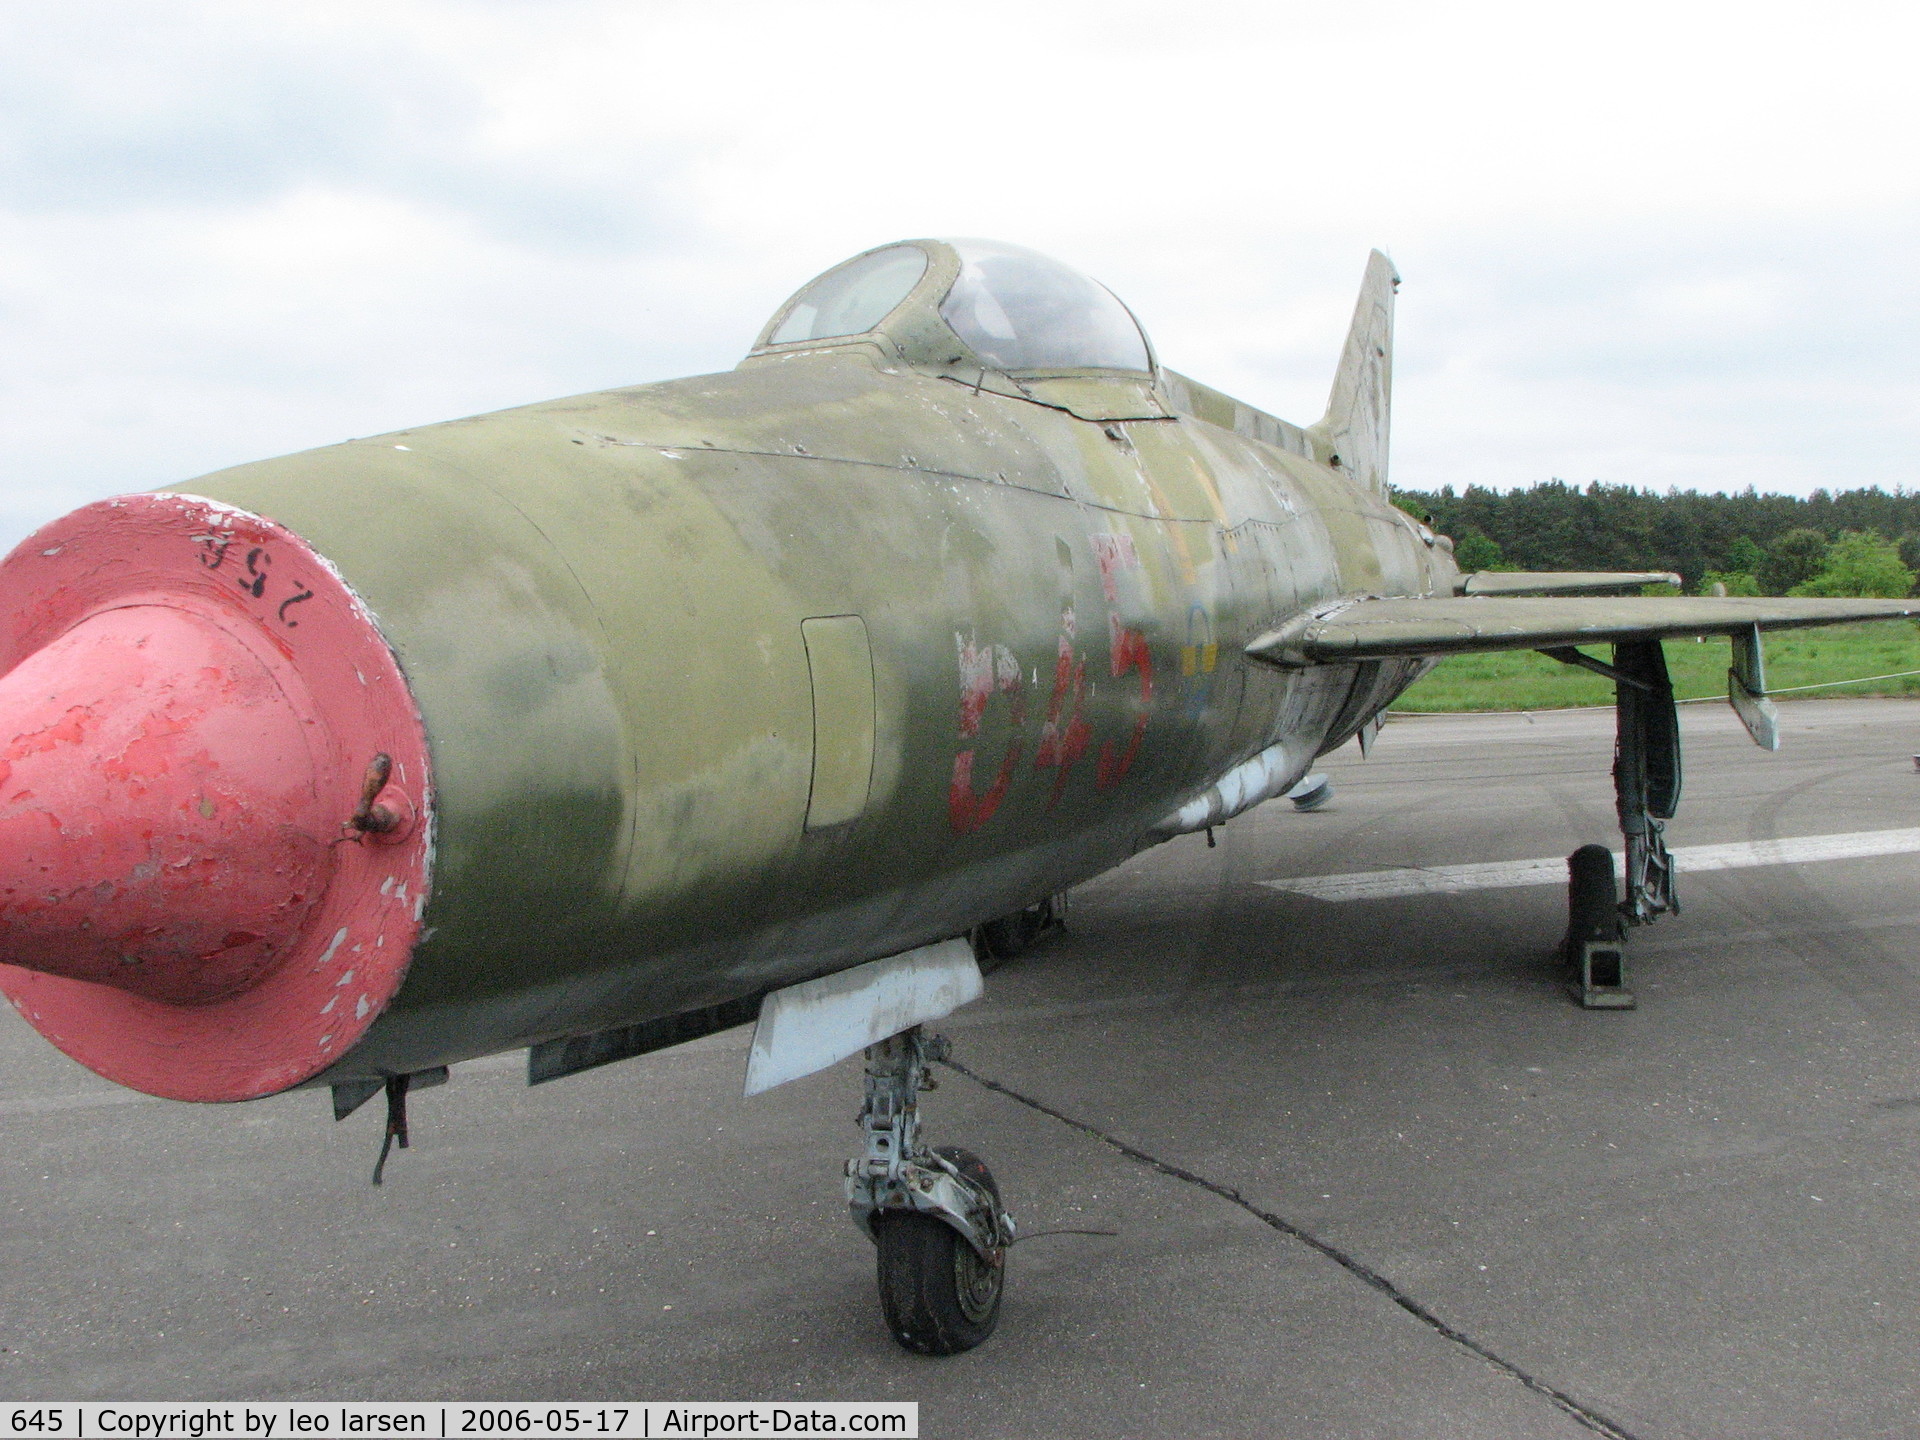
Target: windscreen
[
  {"x": 1018, "y": 310},
  {"x": 853, "y": 298}
]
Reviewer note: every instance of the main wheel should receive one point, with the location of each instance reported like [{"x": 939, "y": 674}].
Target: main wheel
[
  {"x": 938, "y": 1295},
  {"x": 1011, "y": 936},
  {"x": 1593, "y": 901}
]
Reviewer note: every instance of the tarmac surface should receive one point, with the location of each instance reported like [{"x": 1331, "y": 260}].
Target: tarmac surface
[{"x": 1700, "y": 1218}]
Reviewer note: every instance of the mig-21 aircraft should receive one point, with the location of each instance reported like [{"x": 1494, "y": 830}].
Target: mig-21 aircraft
[{"x": 773, "y": 696}]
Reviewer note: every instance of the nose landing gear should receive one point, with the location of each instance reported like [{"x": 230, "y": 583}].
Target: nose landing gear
[{"x": 934, "y": 1214}]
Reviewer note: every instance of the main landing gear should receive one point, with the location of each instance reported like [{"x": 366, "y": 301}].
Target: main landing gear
[
  {"x": 1646, "y": 787},
  {"x": 1595, "y": 947},
  {"x": 1011, "y": 936},
  {"x": 934, "y": 1215}
]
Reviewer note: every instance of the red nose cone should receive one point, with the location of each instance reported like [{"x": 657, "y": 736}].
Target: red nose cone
[
  {"x": 198, "y": 897},
  {"x": 160, "y": 830}
]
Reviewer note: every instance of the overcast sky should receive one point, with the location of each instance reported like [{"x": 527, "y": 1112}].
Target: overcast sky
[{"x": 1660, "y": 244}]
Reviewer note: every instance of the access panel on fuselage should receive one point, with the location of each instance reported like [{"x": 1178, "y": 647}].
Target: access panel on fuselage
[{"x": 1041, "y": 666}]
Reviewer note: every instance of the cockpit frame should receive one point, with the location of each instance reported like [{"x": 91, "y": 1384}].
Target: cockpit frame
[{"x": 916, "y": 333}]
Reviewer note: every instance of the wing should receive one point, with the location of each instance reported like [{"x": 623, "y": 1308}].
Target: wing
[{"x": 1368, "y": 629}]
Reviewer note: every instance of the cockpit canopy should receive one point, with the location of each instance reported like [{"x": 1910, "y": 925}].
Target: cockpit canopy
[
  {"x": 1013, "y": 309},
  {"x": 853, "y": 297}
]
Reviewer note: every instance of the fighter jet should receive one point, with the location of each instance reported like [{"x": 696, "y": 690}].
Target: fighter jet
[{"x": 777, "y": 696}]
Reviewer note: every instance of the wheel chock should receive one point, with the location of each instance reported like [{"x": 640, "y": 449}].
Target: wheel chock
[{"x": 1600, "y": 976}]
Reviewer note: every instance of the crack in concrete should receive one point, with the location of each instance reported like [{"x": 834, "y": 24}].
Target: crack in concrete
[{"x": 1584, "y": 1415}]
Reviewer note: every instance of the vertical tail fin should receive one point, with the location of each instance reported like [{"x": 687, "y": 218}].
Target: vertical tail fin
[{"x": 1354, "y": 428}]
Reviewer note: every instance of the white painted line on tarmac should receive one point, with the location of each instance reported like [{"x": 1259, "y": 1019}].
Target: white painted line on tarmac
[{"x": 1552, "y": 869}]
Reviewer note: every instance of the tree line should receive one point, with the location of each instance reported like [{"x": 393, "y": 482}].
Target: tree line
[{"x": 1854, "y": 542}]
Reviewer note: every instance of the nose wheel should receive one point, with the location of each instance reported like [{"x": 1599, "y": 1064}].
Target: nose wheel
[
  {"x": 939, "y": 1295},
  {"x": 934, "y": 1214}
]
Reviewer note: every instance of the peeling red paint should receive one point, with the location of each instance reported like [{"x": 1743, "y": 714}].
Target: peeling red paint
[
  {"x": 1113, "y": 553},
  {"x": 69, "y": 729},
  {"x": 1128, "y": 651},
  {"x": 967, "y": 811},
  {"x": 178, "y": 894},
  {"x": 985, "y": 670},
  {"x": 121, "y": 835},
  {"x": 976, "y": 684},
  {"x": 1062, "y": 745}
]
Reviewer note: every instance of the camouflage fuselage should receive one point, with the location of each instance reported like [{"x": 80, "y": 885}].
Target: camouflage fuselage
[{"x": 600, "y": 605}]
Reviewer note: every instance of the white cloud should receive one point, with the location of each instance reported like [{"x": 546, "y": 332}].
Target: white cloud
[{"x": 1647, "y": 243}]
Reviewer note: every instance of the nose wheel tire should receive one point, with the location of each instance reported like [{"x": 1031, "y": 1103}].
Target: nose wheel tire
[{"x": 938, "y": 1295}]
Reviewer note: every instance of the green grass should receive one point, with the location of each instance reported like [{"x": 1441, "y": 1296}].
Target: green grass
[{"x": 1526, "y": 680}]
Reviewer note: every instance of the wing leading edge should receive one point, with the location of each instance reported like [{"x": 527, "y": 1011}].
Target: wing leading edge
[
  {"x": 1558, "y": 582},
  {"x": 1378, "y": 629}
]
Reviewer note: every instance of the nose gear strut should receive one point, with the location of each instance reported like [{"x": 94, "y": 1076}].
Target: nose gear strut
[{"x": 934, "y": 1214}]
